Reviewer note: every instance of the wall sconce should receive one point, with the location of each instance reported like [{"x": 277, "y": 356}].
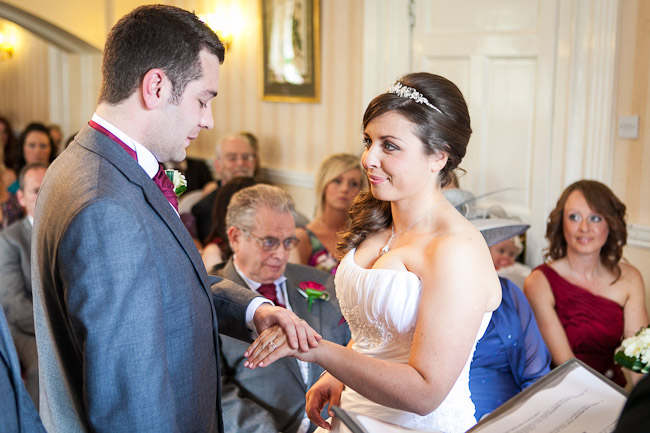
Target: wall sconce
[
  {"x": 6, "y": 50},
  {"x": 226, "y": 23}
]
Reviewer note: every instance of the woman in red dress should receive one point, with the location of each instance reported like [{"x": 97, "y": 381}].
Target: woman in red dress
[{"x": 584, "y": 298}]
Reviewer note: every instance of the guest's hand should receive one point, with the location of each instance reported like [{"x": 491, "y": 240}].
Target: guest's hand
[{"x": 327, "y": 390}]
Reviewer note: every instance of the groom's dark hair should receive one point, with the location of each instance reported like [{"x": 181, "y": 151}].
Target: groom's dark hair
[{"x": 150, "y": 37}]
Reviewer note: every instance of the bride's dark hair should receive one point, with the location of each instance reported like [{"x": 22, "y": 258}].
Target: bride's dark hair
[{"x": 447, "y": 130}]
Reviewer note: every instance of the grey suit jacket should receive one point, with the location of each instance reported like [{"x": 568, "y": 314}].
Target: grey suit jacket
[
  {"x": 16, "y": 279},
  {"x": 272, "y": 399},
  {"x": 125, "y": 321}
]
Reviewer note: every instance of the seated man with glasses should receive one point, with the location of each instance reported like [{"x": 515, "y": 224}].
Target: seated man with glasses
[{"x": 261, "y": 231}]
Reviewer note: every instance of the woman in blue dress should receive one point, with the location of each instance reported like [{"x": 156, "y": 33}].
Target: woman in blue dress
[{"x": 512, "y": 354}]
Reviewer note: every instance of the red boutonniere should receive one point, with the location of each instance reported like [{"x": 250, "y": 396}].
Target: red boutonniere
[{"x": 312, "y": 290}]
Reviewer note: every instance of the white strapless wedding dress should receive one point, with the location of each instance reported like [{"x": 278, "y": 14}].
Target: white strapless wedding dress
[{"x": 381, "y": 308}]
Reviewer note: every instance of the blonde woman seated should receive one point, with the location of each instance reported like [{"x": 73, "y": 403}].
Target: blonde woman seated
[
  {"x": 584, "y": 298},
  {"x": 338, "y": 182}
]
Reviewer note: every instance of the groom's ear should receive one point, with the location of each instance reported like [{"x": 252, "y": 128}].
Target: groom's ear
[{"x": 156, "y": 88}]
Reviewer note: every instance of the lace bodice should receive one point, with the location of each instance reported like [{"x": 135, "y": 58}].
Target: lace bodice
[{"x": 381, "y": 308}]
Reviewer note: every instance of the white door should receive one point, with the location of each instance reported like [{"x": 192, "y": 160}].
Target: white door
[{"x": 500, "y": 54}]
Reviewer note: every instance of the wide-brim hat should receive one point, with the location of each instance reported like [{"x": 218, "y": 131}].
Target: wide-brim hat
[
  {"x": 496, "y": 230},
  {"x": 467, "y": 203}
]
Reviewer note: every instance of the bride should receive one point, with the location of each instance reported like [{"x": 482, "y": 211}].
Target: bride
[{"x": 417, "y": 285}]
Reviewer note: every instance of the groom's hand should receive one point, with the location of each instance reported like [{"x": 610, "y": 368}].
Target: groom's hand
[{"x": 298, "y": 333}]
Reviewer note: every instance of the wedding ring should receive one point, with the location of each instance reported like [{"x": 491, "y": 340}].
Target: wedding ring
[{"x": 273, "y": 346}]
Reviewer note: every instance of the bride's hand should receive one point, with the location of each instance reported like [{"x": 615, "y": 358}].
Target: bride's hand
[
  {"x": 327, "y": 390},
  {"x": 271, "y": 345}
]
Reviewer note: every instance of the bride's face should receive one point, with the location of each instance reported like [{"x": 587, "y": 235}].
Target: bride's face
[{"x": 394, "y": 158}]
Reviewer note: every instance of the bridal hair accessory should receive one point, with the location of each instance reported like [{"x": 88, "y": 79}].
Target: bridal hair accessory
[
  {"x": 394, "y": 234},
  {"x": 311, "y": 290},
  {"x": 400, "y": 89},
  {"x": 179, "y": 181}
]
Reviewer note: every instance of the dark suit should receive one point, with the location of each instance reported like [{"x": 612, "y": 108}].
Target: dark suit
[
  {"x": 16, "y": 297},
  {"x": 272, "y": 399},
  {"x": 635, "y": 417},
  {"x": 196, "y": 171},
  {"x": 125, "y": 322},
  {"x": 17, "y": 411},
  {"x": 202, "y": 212}
]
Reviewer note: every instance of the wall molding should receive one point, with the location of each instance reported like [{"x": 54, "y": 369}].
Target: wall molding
[
  {"x": 638, "y": 236},
  {"x": 289, "y": 177},
  {"x": 46, "y": 30}
]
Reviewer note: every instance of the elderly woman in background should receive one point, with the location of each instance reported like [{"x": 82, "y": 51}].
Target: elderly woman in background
[
  {"x": 584, "y": 298},
  {"x": 338, "y": 182}
]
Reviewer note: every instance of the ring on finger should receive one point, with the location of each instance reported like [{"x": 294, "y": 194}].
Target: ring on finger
[{"x": 273, "y": 346}]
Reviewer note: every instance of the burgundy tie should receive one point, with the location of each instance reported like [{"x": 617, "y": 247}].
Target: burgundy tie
[
  {"x": 160, "y": 179},
  {"x": 268, "y": 291},
  {"x": 166, "y": 186}
]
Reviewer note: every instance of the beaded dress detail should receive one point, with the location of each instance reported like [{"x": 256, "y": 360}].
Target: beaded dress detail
[{"x": 381, "y": 308}]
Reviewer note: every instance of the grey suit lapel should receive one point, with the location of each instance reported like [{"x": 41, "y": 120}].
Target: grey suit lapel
[
  {"x": 100, "y": 144},
  {"x": 26, "y": 233},
  {"x": 26, "y": 227}
]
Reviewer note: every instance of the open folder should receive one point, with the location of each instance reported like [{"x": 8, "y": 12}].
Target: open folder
[{"x": 572, "y": 398}]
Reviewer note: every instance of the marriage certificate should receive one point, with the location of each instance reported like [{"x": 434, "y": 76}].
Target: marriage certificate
[{"x": 571, "y": 399}]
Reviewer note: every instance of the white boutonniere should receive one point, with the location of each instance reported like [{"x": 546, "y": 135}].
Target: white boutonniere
[{"x": 178, "y": 179}]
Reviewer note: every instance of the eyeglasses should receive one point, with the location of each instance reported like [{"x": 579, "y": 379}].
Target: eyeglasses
[
  {"x": 245, "y": 157},
  {"x": 271, "y": 243}
]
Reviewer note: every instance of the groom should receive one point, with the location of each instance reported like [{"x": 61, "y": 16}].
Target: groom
[{"x": 126, "y": 327}]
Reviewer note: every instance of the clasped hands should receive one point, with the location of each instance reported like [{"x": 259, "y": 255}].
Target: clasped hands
[{"x": 283, "y": 334}]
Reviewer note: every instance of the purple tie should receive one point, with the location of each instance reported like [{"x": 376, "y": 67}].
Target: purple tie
[
  {"x": 166, "y": 186},
  {"x": 160, "y": 179},
  {"x": 268, "y": 291}
]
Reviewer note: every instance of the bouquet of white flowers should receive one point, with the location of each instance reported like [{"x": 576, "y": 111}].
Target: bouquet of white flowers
[{"x": 634, "y": 353}]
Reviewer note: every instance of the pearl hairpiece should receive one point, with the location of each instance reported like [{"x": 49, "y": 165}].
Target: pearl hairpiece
[{"x": 400, "y": 89}]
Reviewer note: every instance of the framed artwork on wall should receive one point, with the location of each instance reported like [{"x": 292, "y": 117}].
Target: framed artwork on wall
[{"x": 290, "y": 50}]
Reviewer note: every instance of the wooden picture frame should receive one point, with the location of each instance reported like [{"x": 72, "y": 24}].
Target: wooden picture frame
[{"x": 290, "y": 50}]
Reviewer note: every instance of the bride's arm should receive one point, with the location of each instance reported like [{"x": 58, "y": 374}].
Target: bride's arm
[{"x": 455, "y": 296}]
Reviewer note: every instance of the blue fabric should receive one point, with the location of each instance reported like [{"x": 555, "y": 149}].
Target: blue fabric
[
  {"x": 511, "y": 356},
  {"x": 17, "y": 411},
  {"x": 13, "y": 188}
]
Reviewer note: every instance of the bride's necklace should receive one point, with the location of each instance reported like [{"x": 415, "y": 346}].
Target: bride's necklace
[{"x": 394, "y": 234}]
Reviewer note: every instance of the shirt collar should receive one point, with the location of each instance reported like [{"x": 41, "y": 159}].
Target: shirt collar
[
  {"x": 146, "y": 159},
  {"x": 252, "y": 284}
]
